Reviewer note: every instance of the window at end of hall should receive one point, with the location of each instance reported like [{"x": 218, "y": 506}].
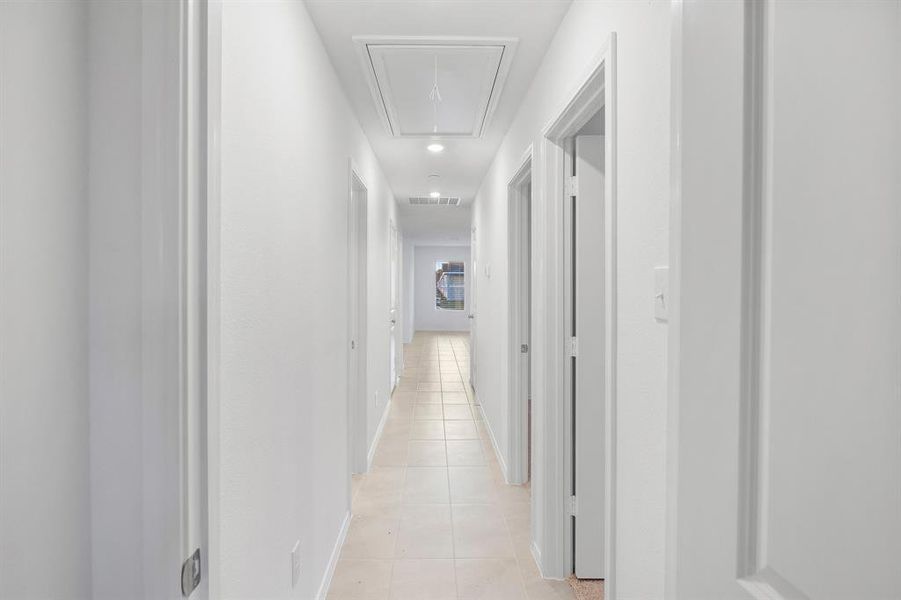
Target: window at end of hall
[{"x": 449, "y": 286}]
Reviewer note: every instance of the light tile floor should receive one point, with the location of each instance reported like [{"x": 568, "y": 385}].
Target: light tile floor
[{"x": 433, "y": 519}]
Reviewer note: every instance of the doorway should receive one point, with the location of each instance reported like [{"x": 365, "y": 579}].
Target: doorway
[
  {"x": 393, "y": 309},
  {"x": 473, "y": 281},
  {"x": 585, "y": 328},
  {"x": 519, "y": 193},
  {"x": 356, "y": 322},
  {"x": 577, "y": 367}
]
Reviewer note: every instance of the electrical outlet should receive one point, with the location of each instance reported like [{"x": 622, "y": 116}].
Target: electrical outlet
[{"x": 295, "y": 564}]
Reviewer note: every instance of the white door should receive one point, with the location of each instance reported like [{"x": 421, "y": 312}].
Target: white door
[
  {"x": 786, "y": 417},
  {"x": 356, "y": 326},
  {"x": 393, "y": 276},
  {"x": 525, "y": 325},
  {"x": 472, "y": 279},
  {"x": 586, "y": 322}
]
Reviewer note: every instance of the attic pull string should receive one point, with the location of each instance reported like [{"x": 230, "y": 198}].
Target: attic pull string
[{"x": 435, "y": 97}]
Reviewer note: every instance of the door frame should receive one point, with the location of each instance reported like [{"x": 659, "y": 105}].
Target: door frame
[
  {"x": 394, "y": 273},
  {"x": 193, "y": 295},
  {"x": 554, "y": 434},
  {"x": 178, "y": 251},
  {"x": 357, "y": 417},
  {"x": 517, "y": 416},
  {"x": 473, "y": 303},
  {"x": 213, "y": 108}
]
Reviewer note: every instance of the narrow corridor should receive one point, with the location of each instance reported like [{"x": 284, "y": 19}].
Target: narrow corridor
[{"x": 433, "y": 519}]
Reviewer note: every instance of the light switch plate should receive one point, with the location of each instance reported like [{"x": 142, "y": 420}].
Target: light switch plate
[
  {"x": 295, "y": 564},
  {"x": 661, "y": 294}
]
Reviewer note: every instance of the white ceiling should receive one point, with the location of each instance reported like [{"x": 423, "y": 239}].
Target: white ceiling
[
  {"x": 464, "y": 161},
  {"x": 436, "y": 225}
]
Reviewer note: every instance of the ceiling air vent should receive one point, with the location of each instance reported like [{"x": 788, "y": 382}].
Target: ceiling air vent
[{"x": 427, "y": 201}]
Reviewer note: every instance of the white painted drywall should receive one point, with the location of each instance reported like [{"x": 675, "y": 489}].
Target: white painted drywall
[
  {"x": 287, "y": 134},
  {"x": 45, "y": 520},
  {"x": 643, "y": 54},
  {"x": 427, "y": 316}
]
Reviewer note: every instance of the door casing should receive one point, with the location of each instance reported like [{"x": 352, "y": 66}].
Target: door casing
[
  {"x": 519, "y": 325},
  {"x": 553, "y": 439},
  {"x": 177, "y": 72},
  {"x": 472, "y": 282},
  {"x": 356, "y": 321},
  {"x": 394, "y": 253}
]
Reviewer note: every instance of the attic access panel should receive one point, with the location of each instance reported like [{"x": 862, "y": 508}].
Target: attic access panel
[{"x": 402, "y": 73}]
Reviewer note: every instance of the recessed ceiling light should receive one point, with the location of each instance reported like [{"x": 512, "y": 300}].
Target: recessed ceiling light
[
  {"x": 435, "y": 148},
  {"x": 435, "y": 194}
]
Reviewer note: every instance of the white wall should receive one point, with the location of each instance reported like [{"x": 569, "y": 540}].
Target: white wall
[
  {"x": 287, "y": 134},
  {"x": 427, "y": 316},
  {"x": 643, "y": 94},
  {"x": 45, "y": 548}
]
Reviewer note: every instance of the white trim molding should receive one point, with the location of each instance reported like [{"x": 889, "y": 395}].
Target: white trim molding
[
  {"x": 596, "y": 88},
  {"x": 373, "y": 67},
  {"x": 213, "y": 283},
  {"x": 675, "y": 286},
  {"x": 497, "y": 450},
  {"x": 378, "y": 435},
  {"x": 333, "y": 559},
  {"x": 756, "y": 574},
  {"x": 357, "y": 389},
  {"x": 517, "y": 417}
]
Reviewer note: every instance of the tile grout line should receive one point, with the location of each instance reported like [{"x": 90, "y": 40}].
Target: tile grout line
[
  {"x": 450, "y": 499},
  {"x": 450, "y": 505}
]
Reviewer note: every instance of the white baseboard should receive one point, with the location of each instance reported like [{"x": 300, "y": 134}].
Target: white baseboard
[
  {"x": 536, "y": 554},
  {"x": 497, "y": 451},
  {"x": 333, "y": 559},
  {"x": 378, "y": 435}
]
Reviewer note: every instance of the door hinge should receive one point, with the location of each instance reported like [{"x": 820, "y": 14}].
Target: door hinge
[
  {"x": 573, "y": 507},
  {"x": 190, "y": 573},
  {"x": 524, "y": 348},
  {"x": 572, "y": 186},
  {"x": 572, "y": 347}
]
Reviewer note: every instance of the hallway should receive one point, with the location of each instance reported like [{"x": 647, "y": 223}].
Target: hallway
[
  {"x": 450, "y": 299},
  {"x": 434, "y": 519}
]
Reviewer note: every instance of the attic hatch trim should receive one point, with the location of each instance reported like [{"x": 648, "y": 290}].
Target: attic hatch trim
[{"x": 507, "y": 47}]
